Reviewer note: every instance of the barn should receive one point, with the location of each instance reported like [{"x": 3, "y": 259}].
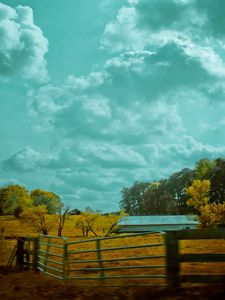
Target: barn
[{"x": 156, "y": 223}]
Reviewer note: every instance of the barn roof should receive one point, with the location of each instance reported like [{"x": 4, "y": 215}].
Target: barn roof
[{"x": 157, "y": 220}]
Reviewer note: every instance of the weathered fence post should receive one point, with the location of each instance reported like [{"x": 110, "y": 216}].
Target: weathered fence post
[
  {"x": 172, "y": 259},
  {"x": 20, "y": 253},
  {"x": 35, "y": 253},
  {"x": 99, "y": 258}
]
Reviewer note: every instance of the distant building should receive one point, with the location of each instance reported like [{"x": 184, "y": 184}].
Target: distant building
[
  {"x": 75, "y": 211},
  {"x": 156, "y": 223}
]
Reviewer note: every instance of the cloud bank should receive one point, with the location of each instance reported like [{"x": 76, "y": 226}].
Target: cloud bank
[
  {"x": 156, "y": 104},
  {"x": 22, "y": 44}
]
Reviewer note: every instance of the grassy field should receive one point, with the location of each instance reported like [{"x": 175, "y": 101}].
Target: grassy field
[
  {"x": 23, "y": 285},
  {"x": 14, "y": 227}
]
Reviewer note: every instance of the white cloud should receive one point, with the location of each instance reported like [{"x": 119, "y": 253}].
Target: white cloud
[
  {"x": 123, "y": 32},
  {"x": 209, "y": 59},
  {"x": 113, "y": 156},
  {"x": 155, "y": 106},
  {"x": 149, "y": 25},
  {"x": 22, "y": 44},
  {"x": 25, "y": 160},
  {"x": 94, "y": 79}
]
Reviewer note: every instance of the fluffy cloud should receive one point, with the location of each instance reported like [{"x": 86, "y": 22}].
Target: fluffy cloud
[
  {"x": 190, "y": 25},
  {"x": 29, "y": 160},
  {"x": 22, "y": 44},
  {"x": 154, "y": 106},
  {"x": 25, "y": 160}
]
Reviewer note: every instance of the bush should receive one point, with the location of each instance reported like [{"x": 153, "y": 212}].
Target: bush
[{"x": 17, "y": 211}]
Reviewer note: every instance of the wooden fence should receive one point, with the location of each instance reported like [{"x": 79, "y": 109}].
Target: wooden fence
[
  {"x": 175, "y": 257},
  {"x": 18, "y": 252}
]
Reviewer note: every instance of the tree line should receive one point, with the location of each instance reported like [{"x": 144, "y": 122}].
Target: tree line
[
  {"x": 14, "y": 199},
  {"x": 170, "y": 196},
  {"x": 43, "y": 211}
]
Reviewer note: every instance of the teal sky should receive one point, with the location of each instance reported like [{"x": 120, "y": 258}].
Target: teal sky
[{"x": 96, "y": 94}]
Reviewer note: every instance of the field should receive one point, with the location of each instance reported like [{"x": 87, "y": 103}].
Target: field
[{"x": 21, "y": 283}]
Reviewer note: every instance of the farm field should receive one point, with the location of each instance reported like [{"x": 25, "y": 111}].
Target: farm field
[{"x": 13, "y": 227}]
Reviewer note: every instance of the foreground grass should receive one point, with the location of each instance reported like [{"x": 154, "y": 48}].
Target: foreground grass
[{"x": 30, "y": 285}]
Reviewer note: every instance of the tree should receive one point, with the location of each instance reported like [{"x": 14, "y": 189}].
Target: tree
[
  {"x": 51, "y": 200},
  {"x": 216, "y": 177},
  {"x": 176, "y": 187},
  {"x": 210, "y": 214},
  {"x": 170, "y": 197},
  {"x": 63, "y": 214},
  {"x": 132, "y": 198},
  {"x": 14, "y": 198},
  {"x": 203, "y": 168},
  {"x": 86, "y": 223},
  {"x": 112, "y": 225},
  {"x": 157, "y": 200},
  {"x": 37, "y": 218},
  {"x": 199, "y": 192}
]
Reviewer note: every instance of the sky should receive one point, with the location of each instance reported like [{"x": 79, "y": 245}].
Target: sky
[{"x": 98, "y": 94}]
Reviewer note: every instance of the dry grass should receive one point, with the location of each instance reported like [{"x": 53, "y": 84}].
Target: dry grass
[
  {"x": 14, "y": 227},
  {"x": 23, "y": 285},
  {"x": 203, "y": 247}
]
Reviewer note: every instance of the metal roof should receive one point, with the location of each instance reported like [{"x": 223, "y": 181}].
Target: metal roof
[{"x": 157, "y": 220}]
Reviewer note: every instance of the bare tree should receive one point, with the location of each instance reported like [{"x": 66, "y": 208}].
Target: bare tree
[
  {"x": 86, "y": 223},
  {"x": 113, "y": 223},
  {"x": 63, "y": 215},
  {"x": 37, "y": 218}
]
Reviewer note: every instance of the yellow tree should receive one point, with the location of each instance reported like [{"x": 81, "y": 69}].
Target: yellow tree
[
  {"x": 37, "y": 218},
  {"x": 15, "y": 198},
  {"x": 50, "y": 199},
  {"x": 199, "y": 192},
  {"x": 210, "y": 214}
]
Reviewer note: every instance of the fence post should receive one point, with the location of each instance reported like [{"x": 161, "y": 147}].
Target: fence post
[
  {"x": 99, "y": 258},
  {"x": 20, "y": 253},
  {"x": 172, "y": 259},
  {"x": 35, "y": 253},
  {"x": 65, "y": 262}
]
